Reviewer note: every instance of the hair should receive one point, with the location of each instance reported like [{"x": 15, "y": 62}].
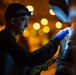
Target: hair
[{"x": 14, "y": 8}]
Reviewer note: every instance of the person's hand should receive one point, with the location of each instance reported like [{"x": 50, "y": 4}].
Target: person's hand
[{"x": 62, "y": 34}]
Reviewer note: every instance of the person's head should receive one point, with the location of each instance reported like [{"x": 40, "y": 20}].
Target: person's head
[{"x": 16, "y": 17}]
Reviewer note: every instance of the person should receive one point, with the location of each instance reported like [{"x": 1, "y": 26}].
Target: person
[{"x": 16, "y": 17}]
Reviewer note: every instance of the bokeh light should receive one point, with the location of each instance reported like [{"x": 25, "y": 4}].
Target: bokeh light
[
  {"x": 58, "y": 25},
  {"x": 45, "y": 41},
  {"x": 36, "y": 26},
  {"x": 46, "y": 29},
  {"x": 44, "y": 21},
  {"x": 40, "y": 32},
  {"x": 51, "y": 12},
  {"x": 33, "y": 32},
  {"x": 26, "y": 33},
  {"x": 30, "y": 8}
]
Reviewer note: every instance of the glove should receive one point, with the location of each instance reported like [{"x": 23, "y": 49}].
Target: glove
[{"x": 62, "y": 34}]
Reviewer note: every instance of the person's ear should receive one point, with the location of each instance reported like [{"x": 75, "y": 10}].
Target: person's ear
[{"x": 12, "y": 20}]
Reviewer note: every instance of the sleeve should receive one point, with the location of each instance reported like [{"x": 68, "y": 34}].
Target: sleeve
[
  {"x": 44, "y": 53},
  {"x": 38, "y": 57}
]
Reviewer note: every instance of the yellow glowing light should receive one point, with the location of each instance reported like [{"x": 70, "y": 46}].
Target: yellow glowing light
[
  {"x": 33, "y": 32},
  {"x": 36, "y": 26},
  {"x": 44, "y": 21},
  {"x": 30, "y": 8},
  {"x": 26, "y": 33},
  {"x": 46, "y": 29},
  {"x": 45, "y": 41},
  {"x": 2, "y": 27},
  {"x": 40, "y": 32},
  {"x": 51, "y": 12},
  {"x": 58, "y": 25}
]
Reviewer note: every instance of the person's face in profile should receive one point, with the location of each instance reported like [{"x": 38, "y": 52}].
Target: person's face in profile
[{"x": 21, "y": 23}]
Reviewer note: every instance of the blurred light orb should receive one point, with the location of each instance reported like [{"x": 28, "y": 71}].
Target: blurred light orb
[
  {"x": 58, "y": 25},
  {"x": 36, "y": 26},
  {"x": 51, "y": 12},
  {"x": 46, "y": 29},
  {"x": 26, "y": 33},
  {"x": 33, "y": 32},
  {"x": 30, "y": 8},
  {"x": 40, "y": 32},
  {"x": 44, "y": 21}
]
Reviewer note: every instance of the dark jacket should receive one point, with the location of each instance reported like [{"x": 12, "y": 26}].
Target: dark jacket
[{"x": 23, "y": 57}]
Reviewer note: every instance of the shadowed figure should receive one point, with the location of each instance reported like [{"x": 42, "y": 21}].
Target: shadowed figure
[{"x": 65, "y": 10}]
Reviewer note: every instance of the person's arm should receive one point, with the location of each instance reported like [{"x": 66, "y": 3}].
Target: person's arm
[
  {"x": 44, "y": 53},
  {"x": 40, "y": 56}
]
